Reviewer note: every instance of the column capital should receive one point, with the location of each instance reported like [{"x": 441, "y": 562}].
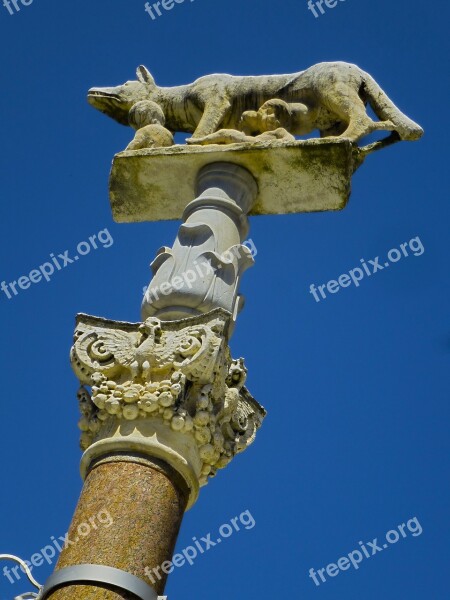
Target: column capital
[{"x": 169, "y": 390}]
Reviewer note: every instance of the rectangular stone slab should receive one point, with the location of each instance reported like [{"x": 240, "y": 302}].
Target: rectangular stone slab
[{"x": 292, "y": 177}]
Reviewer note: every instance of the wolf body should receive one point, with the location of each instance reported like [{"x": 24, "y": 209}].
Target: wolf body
[{"x": 334, "y": 93}]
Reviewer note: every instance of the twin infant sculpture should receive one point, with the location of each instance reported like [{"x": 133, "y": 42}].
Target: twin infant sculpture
[
  {"x": 225, "y": 109},
  {"x": 148, "y": 119}
]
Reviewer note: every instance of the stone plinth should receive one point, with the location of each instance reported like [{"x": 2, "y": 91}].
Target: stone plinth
[{"x": 292, "y": 177}]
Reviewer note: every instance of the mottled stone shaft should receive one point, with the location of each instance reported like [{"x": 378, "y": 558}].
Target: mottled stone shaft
[{"x": 134, "y": 513}]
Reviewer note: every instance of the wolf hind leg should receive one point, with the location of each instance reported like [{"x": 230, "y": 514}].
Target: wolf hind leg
[{"x": 350, "y": 109}]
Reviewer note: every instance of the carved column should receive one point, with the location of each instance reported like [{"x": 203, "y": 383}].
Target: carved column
[
  {"x": 203, "y": 269},
  {"x": 164, "y": 406},
  {"x": 145, "y": 501}
]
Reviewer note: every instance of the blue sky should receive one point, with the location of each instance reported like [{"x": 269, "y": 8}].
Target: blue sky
[{"x": 356, "y": 386}]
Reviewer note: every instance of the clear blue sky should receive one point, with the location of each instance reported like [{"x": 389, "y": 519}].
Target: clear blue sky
[{"x": 356, "y": 440}]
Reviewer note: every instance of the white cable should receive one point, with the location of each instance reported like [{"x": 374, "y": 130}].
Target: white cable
[{"x": 24, "y": 566}]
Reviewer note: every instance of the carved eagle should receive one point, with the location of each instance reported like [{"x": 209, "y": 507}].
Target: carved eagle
[{"x": 136, "y": 350}]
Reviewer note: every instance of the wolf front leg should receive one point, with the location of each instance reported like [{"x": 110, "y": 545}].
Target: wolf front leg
[{"x": 214, "y": 113}]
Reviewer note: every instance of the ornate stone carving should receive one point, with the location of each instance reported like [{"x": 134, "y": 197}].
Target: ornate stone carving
[
  {"x": 148, "y": 120},
  {"x": 203, "y": 269},
  {"x": 330, "y": 97},
  {"x": 177, "y": 376}
]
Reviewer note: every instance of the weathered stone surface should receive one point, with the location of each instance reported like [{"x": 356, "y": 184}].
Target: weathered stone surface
[
  {"x": 168, "y": 406},
  {"x": 167, "y": 390},
  {"x": 148, "y": 120},
  {"x": 328, "y": 96},
  {"x": 292, "y": 177},
  {"x": 203, "y": 269}
]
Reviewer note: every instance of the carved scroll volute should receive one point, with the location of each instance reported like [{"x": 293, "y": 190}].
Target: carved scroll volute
[
  {"x": 175, "y": 379},
  {"x": 101, "y": 350},
  {"x": 140, "y": 351}
]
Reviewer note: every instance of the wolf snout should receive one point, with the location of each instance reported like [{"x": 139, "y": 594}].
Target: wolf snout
[
  {"x": 94, "y": 94},
  {"x": 104, "y": 93}
]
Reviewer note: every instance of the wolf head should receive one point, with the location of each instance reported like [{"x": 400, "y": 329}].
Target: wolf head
[{"x": 116, "y": 102}]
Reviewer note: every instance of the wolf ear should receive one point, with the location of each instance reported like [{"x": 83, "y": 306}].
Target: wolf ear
[{"x": 144, "y": 75}]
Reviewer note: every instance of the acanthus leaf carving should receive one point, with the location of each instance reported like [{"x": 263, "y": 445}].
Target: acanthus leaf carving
[{"x": 179, "y": 374}]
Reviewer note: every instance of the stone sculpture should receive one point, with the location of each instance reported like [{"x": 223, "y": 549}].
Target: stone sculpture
[
  {"x": 168, "y": 387},
  {"x": 163, "y": 404},
  {"x": 203, "y": 269},
  {"x": 148, "y": 120},
  {"x": 176, "y": 378},
  {"x": 330, "y": 97}
]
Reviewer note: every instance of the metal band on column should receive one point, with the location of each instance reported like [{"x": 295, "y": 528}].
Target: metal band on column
[{"x": 98, "y": 574}]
